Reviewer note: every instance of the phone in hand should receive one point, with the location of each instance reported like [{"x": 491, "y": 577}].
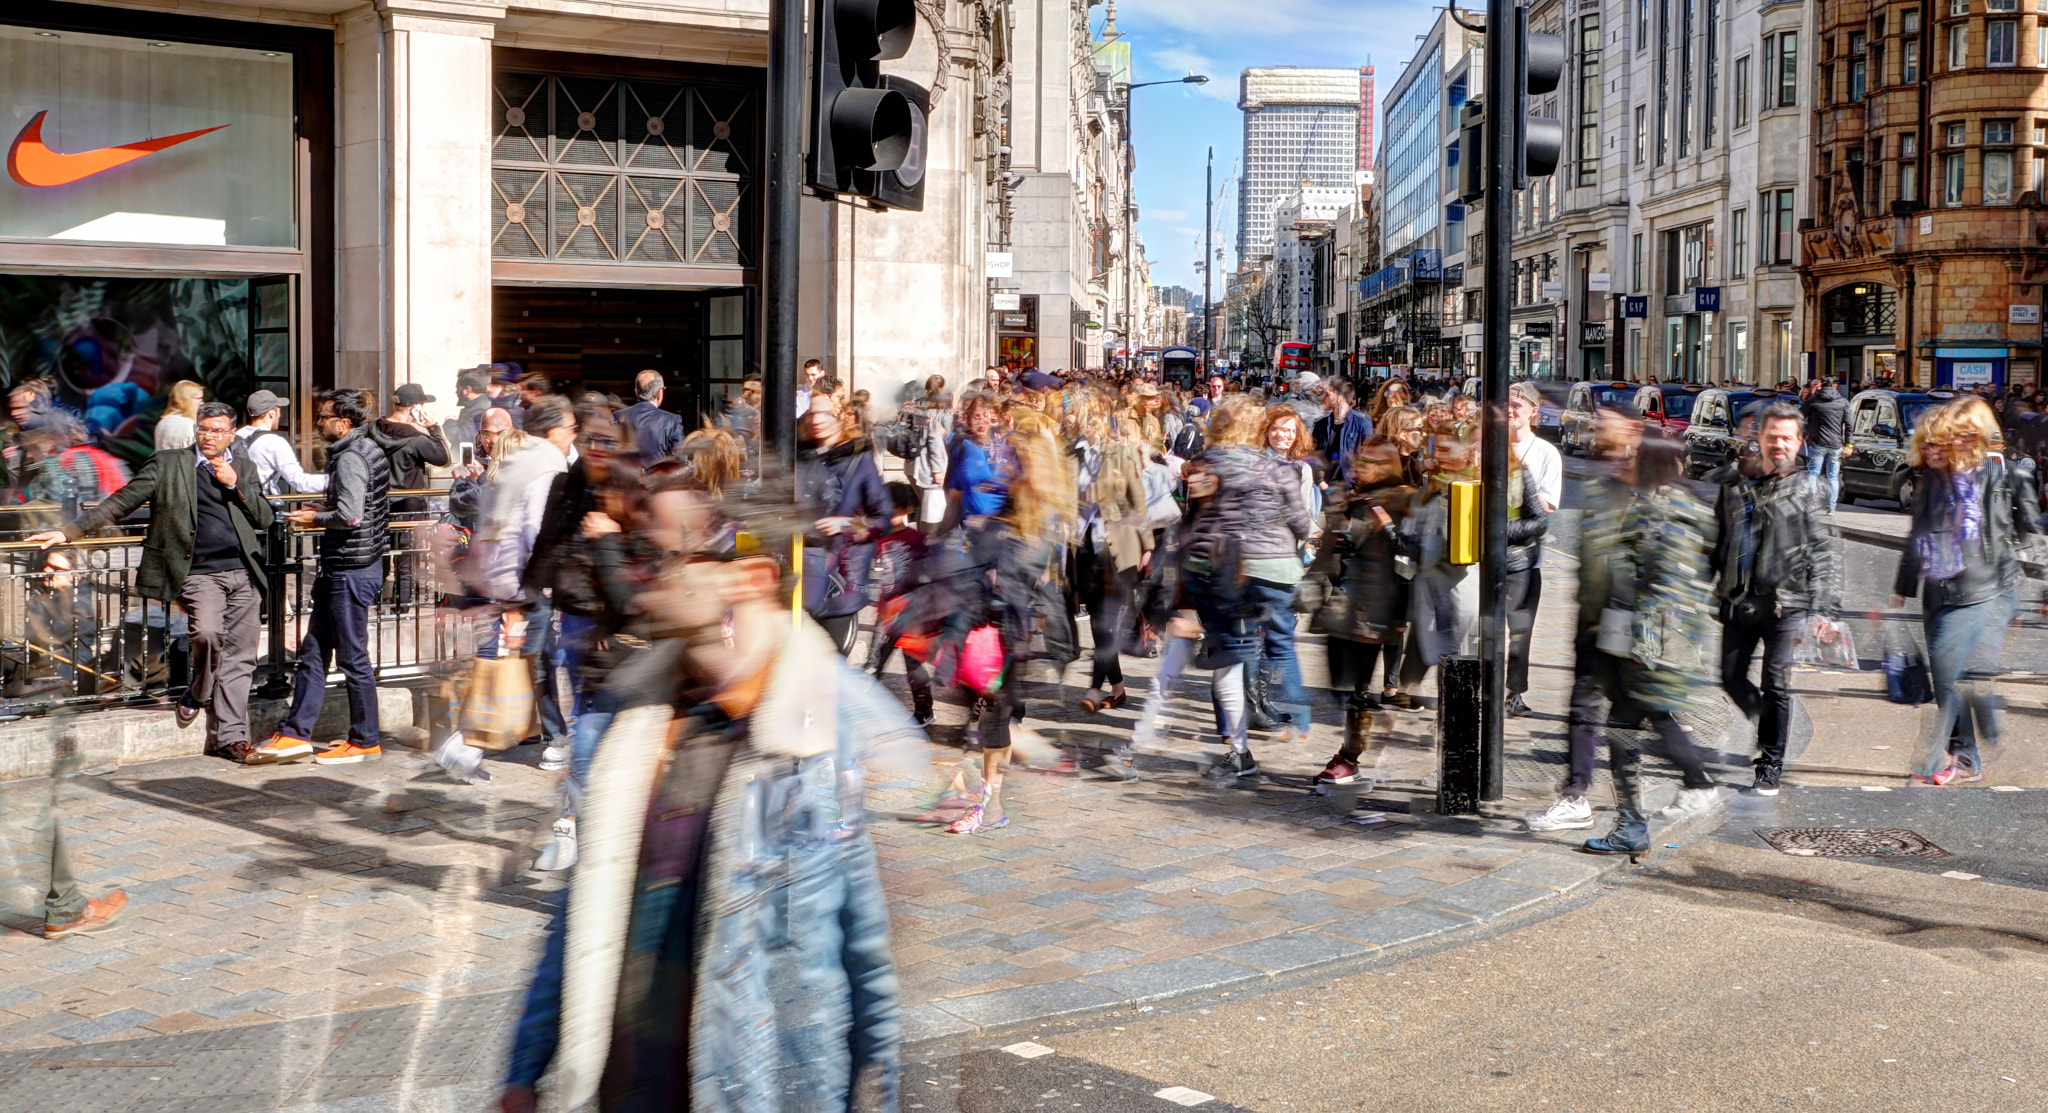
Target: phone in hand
[{"x": 468, "y": 454}]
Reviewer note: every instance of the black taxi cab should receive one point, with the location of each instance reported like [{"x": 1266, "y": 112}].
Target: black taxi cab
[
  {"x": 1721, "y": 426},
  {"x": 1582, "y": 409},
  {"x": 1881, "y": 424}
]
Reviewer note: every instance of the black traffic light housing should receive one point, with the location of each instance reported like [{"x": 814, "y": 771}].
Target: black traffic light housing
[
  {"x": 1539, "y": 140},
  {"x": 1472, "y": 151},
  {"x": 866, "y": 128}
]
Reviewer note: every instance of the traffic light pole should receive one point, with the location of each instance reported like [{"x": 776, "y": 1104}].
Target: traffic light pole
[
  {"x": 1502, "y": 161},
  {"x": 1208, "y": 258},
  {"x": 782, "y": 250}
]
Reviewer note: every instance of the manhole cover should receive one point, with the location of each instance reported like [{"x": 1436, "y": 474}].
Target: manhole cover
[{"x": 1850, "y": 842}]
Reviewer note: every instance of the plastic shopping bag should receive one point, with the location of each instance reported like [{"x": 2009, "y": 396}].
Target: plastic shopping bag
[
  {"x": 498, "y": 712},
  {"x": 1824, "y": 643},
  {"x": 981, "y": 661}
]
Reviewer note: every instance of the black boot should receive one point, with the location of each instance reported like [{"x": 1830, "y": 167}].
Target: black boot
[{"x": 1263, "y": 715}]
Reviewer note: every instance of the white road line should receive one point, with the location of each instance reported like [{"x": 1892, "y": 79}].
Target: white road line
[
  {"x": 1028, "y": 1050},
  {"x": 1961, "y": 876},
  {"x": 1181, "y": 1095}
]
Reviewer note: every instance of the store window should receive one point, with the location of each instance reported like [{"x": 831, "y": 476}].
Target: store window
[
  {"x": 1738, "y": 351},
  {"x": 223, "y": 174}
]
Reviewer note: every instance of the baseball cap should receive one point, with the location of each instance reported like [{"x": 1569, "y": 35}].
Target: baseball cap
[
  {"x": 411, "y": 394},
  {"x": 262, "y": 402},
  {"x": 1530, "y": 392}
]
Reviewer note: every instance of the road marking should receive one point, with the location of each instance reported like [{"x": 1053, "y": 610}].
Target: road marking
[
  {"x": 2006, "y": 788},
  {"x": 1028, "y": 1050},
  {"x": 1181, "y": 1095},
  {"x": 1961, "y": 876},
  {"x": 1875, "y": 788}
]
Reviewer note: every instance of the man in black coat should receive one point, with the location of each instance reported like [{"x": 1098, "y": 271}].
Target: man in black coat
[
  {"x": 411, "y": 444},
  {"x": 1826, "y": 417},
  {"x": 204, "y": 550},
  {"x": 656, "y": 432}
]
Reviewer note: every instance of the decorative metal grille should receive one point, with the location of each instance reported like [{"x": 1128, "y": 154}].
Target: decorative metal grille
[
  {"x": 603, "y": 170},
  {"x": 1850, "y": 842},
  {"x": 1861, "y": 309}
]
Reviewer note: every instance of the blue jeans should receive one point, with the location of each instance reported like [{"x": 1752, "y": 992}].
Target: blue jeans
[
  {"x": 1275, "y": 603},
  {"x": 340, "y": 629},
  {"x": 1962, "y": 645},
  {"x": 1827, "y": 464}
]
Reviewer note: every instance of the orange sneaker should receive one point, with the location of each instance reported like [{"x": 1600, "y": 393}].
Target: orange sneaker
[
  {"x": 347, "y": 753},
  {"x": 99, "y": 916},
  {"x": 281, "y": 747}
]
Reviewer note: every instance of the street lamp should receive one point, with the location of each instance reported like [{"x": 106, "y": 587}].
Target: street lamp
[{"x": 1130, "y": 269}]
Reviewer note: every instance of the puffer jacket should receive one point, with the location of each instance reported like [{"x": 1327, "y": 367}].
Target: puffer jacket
[
  {"x": 1256, "y": 513},
  {"x": 1367, "y": 599},
  {"x": 1797, "y": 563},
  {"x": 358, "y": 517}
]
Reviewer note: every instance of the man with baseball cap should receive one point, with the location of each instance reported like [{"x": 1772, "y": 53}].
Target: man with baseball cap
[
  {"x": 412, "y": 442},
  {"x": 277, "y": 466}
]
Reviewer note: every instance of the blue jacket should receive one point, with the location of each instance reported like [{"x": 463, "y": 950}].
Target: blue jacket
[
  {"x": 796, "y": 986},
  {"x": 1335, "y": 443},
  {"x": 841, "y": 482}
]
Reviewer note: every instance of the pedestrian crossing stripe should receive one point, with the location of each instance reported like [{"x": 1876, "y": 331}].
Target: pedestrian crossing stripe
[
  {"x": 1028, "y": 1050},
  {"x": 1181, "y": 1095}
]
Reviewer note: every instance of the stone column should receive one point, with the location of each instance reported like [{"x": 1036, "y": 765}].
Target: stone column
[{"x": 415, "y": 223}]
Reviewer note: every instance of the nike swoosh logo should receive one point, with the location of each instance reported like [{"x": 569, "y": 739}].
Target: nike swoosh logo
[{"x": 32, "y": 163}]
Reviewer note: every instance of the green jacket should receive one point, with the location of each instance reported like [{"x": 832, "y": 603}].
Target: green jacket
[{"x": 167, "y": 483}]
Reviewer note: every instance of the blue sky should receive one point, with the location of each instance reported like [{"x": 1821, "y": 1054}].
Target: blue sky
[{"x": 1176, "y": 124}]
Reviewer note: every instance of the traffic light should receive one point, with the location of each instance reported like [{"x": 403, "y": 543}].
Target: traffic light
[
  {"x": 1472, "y": 152},
  {"x": 867, "y": 128},
  {"x": 1539, "y": 140}
]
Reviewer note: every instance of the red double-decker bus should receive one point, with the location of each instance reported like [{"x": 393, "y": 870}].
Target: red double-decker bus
[{"x": 1294, "y": 355}]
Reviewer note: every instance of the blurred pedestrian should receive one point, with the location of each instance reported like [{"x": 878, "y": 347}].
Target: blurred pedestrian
[
  {"x": 277, "y": 464},
  {"x": 1364, "y": 610},
  {"x": 181, "y": 412},
  {"x": 656, "y": 432},
  {"x": 412, "y": 443},
  {"x": 839, "y": 480},
  {"x": 1535, "y": 489}
]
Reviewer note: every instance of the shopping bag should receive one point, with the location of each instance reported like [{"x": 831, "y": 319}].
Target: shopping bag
[
  {"x": 1905, "y": 670},
  {"x": 1823, "y": 643},
  {"x": 981, "y": 661},
  {"x": 497, "y": 714}
]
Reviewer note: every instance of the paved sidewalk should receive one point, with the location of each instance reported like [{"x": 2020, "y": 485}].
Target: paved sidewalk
[{"x": 354, "y": 938}]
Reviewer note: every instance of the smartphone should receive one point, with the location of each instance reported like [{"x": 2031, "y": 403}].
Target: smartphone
[{"x": 468, "y": 454}]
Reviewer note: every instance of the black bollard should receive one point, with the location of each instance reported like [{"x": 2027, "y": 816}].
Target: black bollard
[{"x": 1460, "y": 688}]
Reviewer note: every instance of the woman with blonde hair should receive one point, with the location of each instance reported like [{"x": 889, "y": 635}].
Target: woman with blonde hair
[
  {"x": 1109, "y": 548},
  {"x": 1972, "y": 513},
  {"x": 178, "y": 427}
]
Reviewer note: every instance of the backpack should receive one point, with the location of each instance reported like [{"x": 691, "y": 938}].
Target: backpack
[
  {"x": 1187, "y": 442},
  {"x": 108, "y": 473}
]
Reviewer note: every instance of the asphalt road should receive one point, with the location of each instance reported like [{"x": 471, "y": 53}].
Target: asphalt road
[{"x": 1723, "y": 976}]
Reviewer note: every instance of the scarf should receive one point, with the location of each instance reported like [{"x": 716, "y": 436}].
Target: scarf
[{"x": 1941, "y": 551}]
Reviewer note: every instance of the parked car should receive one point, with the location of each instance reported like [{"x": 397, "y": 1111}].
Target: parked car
[
  {"x": 1881, "y": 426},
  {"x": 1667, "y": 406},
  {"x": 1582, "y": 406},
  {"x": 1717, "y": 433}
]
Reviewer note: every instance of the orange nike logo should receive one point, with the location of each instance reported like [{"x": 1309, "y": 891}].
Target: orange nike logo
[{"x": 32, "y": 163}]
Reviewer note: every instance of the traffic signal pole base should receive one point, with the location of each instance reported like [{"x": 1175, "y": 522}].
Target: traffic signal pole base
[{"x": 1460, "y": 751}]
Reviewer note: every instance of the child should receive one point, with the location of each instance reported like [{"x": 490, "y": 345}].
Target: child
[{"x": 900, "y": 569}]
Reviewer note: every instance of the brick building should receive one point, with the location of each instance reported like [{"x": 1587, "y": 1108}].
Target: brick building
[{"x": 1925, "y": 253}]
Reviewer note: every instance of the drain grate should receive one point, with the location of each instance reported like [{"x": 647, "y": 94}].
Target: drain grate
[{"x": 1850, "y": 842}]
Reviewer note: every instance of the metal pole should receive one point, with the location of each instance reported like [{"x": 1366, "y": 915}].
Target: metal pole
[
  {"x": 1208, "y": 256},
  {"x": 1130, "y": 244},
  {"x": 784, "y": 228},
  {"x": 1501, "y": 71}
]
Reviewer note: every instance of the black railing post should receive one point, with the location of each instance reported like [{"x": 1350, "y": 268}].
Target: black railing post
[{"x": 277, "y": 685}]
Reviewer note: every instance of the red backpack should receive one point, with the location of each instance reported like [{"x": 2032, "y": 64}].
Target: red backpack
[{"x": 109, "y": 474}]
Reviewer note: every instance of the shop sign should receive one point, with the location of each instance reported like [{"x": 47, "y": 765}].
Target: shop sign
[
  {"x": 123, "y": 140},
  {"x": 1600, "y": 282},
  {"x": 1706, "y": 299},
  {"x": 1592, "y": 334},
  {"x": 1014, "y": 321},
  {"x": 1473, "y": 342},
  {"x": 1536, "y": 328},
  {"x": 1638, "y": 307},
  {"x": 2023, "y": 314},
  {"x": 1971, "y": 373},
  {"x": 1553, "y": 291},
  {"x": 1006, "y": 302},
  {"x": 1000, "y": 264}
]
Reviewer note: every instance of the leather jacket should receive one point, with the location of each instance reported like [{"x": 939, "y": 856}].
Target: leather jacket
[{"x": 1796, "y": 561}]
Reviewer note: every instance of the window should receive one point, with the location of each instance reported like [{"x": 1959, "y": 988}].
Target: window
[
  {"x": 1856, "y": 78},
  {"x": 1997, "y": 133},
  {"x": 1909, "y": 182},
  {"x": 1959, "y": 7},
  {"x": 2001, "y": 43},
  {"x": 1909, "y": 62},
  {"x": 2035, "y": 167},
  {"x": 1857, "y": 42},
  {"x": 1635, "y": 263},
  {"x": 1909, "y": 145},
  {"x": 1877, "y": 66},
  {"x": 1788, "y": 69},
  {"x": 1952, "y": 180},
  {"x": 1589, "y": 101},
  {"x": 1784, "y": 228},
  {"x": 1742, "y": 91},
  {"x": 1640, "y": 110},
  {"x": 1824, "y": 86},
  {"x": 1953, "y": 134},
  {"x": 2001, "y": 5},
  {"x": 1958, "y": 46},
  {"x": 1684, "y": 121},
  {"x": 1998, "y": 177},
  {"x": 1710, "y": 109},
  {"x": 1664, "y": 80},
  {"x": 1642, "y": 24},
  {"x": 1672, "y": 272},
  {"x": 1738, "y": 242},
  {"x": 1738, "y": 351},
  {"x": 2040, "y": 132},
  {"x": 1909, "y": 22},
  {"x": 2041, "y": 45}
]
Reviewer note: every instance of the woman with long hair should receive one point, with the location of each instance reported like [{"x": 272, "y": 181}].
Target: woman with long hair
[
  {"x": 1110, "y": 548},
  {"x": 837, "y": 476},
  {"x": 1365, "y": 602},
  {"x": 1402, "y": 426},
  {"x": 1392, "y": 393},
  {"x": 1242, "y": 560},
  {"x": 178, "y": 427},
  {"x": 1972, "y": 513}
]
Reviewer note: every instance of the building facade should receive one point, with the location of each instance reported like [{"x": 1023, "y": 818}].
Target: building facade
[
  {"x": 1300, "y": 129},
  {"x": 1923, "y": 262}
]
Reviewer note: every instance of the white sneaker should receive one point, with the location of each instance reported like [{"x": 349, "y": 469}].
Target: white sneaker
[
  {"x": 553, "y": 758},
  {"x": 561, "y": 853},
  {"x": 1691, "y": 801},
  {"x": 461, "y": 760},
  {"x": 1569, "y": 813}
]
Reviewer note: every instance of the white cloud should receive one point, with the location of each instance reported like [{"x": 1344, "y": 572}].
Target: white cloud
[
  {"x": 1178, "y": 61},
  {"x": 1168, "y": 214}
]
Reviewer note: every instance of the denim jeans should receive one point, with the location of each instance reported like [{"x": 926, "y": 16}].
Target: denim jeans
[
  {"x": 1827, "y": 464},
  {"x": 340, "y": 630},
  {"x": 1962, "y": 645},
  {"x": 1275, "y": 603}
]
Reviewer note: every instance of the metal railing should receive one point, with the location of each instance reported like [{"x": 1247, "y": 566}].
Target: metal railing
[{"x": 76, "y": 634}]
